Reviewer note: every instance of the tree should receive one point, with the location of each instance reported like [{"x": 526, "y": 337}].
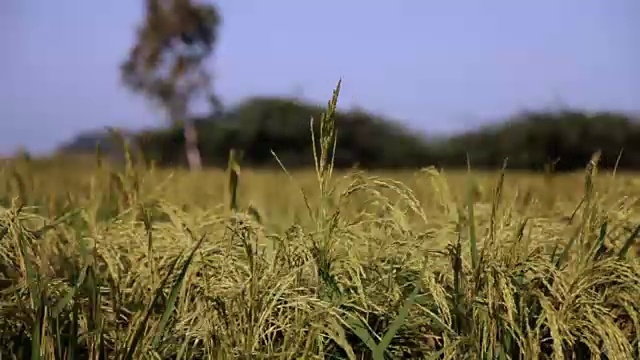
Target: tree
[{"x": 166, "y": 62}]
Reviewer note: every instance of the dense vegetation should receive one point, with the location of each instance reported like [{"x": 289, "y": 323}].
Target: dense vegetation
[
  {"x": 107, "y": 262},
  {"x": 529, "y": 140}
]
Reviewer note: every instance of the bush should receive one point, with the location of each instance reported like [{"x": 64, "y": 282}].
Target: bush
[{"x": 529, "y": 141}]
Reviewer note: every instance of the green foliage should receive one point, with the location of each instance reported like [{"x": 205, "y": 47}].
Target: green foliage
[
  {"x": 562, "y": 141},
  {"x": 529, "y": 142},
  {"x": 166, "y": 61},
  {"x": 261, "y": 125},
  {"x": 567, "y": 139}
]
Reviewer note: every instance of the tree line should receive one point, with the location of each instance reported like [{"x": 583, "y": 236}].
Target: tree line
[{"x": 258, "y": 126}]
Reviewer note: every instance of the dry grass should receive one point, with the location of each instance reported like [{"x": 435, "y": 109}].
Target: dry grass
[{"x": 140, "y": 263}]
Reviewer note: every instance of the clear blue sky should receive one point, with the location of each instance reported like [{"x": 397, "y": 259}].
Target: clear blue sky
[{"x": 438, "y": 66}]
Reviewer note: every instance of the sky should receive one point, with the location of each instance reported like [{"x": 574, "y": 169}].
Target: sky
[{"x": 437, "y": 66}]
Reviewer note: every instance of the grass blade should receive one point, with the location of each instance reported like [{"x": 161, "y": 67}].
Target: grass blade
[
  {"x": 362, "y": 332},
  {"x": 137, "y": 335},
  {"x": 395, "y": 325},
  {"x": 628, "y": 243},
  {"x": 170, "y": 306}
]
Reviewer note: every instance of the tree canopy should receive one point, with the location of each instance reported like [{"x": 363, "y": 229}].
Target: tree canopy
[{"x": 167, "y": 60}]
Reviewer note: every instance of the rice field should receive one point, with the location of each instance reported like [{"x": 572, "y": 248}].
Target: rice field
[{"x": 105, "y": 262}]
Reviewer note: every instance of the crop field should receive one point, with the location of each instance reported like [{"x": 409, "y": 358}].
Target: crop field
[{"x": 101, "y": 261}]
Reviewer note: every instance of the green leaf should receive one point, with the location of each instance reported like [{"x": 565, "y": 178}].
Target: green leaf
[
  {"x": 395, "y": 325},
  {"x": 627, "y": 244},
  {"x": 62, "y": 303},
  {"x": 170, "y": 306},
  {"x": 361, "y": 332},
  {"x": 137, "y": 336}
]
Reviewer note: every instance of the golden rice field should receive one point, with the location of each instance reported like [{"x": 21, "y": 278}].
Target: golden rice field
[{"x": 98, "y": 262}]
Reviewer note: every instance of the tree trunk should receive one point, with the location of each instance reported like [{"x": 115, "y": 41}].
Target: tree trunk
[
  {"x": 191, "y": 146},
  {"x": 179, "y": 115}
]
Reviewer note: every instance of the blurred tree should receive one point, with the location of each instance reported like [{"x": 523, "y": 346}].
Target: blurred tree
[{"x": 166, "y": 62}]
